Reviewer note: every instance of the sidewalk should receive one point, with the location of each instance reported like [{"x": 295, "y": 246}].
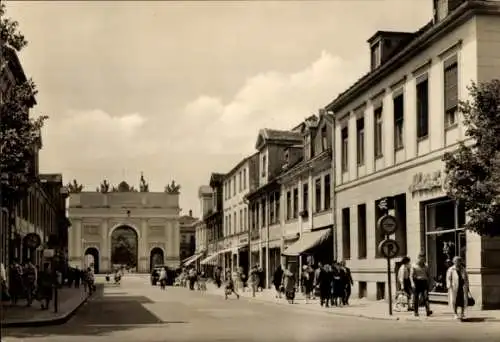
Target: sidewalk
[
  {"x": 70, "y": 300},
  {"x": 364, "y": 308}
]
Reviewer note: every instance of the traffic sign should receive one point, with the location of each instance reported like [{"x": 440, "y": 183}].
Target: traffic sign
[
  {"x": 388, "y": 224},
  {"x": 388, "y": 248}
]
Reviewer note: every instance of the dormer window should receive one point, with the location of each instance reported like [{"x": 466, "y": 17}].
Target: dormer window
[
  {"x": 307, "y": 147},
  {"x": 264, "y": 166},
  {"x": 287, "y": 157},
  {"x": 375, "y": 56}
]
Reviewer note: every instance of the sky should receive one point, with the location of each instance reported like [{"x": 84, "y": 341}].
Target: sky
[{"x": 178, "y": 90}]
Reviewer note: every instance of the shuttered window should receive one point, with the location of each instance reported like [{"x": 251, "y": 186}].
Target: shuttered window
[{"x": 450, "y": 90}]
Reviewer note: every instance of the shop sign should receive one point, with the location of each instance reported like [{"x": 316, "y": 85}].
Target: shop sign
[
  {"x": 243, "y": 240},
  {"x": 426, "y": 181}
]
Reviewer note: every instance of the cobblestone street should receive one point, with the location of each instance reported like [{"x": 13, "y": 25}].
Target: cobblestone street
[{"x": 135, "y": 311}]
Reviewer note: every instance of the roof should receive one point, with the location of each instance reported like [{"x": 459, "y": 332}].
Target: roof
[
  {"x": 216, "y": 178},
  {"x": 16, "y": 67},
  {"x": 422, "y": 38},
  {"x": 390, "y": 34},
  {"x": 267, "y": 135},
  {"x": 240, "y": 163},
  {"x": 186, "y": 219}
]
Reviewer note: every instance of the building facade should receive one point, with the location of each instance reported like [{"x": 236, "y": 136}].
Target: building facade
[
  {"x": 37, "y": 219},
  {"x": 307, "y": 200},
  {"x": 238, "y": 182},
  {"x": 393, "y": 127},
  {"x": 265, "y": 201},
  {"x": 124, "y": 227},
  {"x": 187, "y": 226},
  {"x": 213, "y": 221}
]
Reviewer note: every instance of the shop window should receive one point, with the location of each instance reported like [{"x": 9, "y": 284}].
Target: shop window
[
  {"x": 346, "y": 233},
  {"x": 362, "y": 248},
  {"x": 444, "y": 238}
]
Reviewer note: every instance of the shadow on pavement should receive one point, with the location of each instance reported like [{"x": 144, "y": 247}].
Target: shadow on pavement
[{"x": 102, "y": 315}]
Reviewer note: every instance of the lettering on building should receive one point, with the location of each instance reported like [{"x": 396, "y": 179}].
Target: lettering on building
[{"x": 426, "y": 181}]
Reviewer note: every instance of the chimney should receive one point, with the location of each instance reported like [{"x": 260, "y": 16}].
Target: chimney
[{"x": 190, "y": 213}]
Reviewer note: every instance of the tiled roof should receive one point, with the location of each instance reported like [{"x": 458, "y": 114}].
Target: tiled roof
[{"x": 274, "y": 135}]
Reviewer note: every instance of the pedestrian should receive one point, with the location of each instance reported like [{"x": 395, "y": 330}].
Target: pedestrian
[
  {"x": 218, "y": 276},
  {"x": 277, "y": 278},
  {"x": 192, "y": 278},
  {"x": 338, "y": 285},
  {"x": 347, "y": 282},
  {"x": 254, "y": 279},
  {"x": 404, "y": 280},
  {"x": 308, "y": 281},
  {"x": 4, "y": 288},
  {"x": 289, "y": 284},
  {"x": 317, "y": 272},
  {"x": 229, "y": 288},
  {"x": 78, "y": 277},
  {"x": 163, "y": 278},
  {"x": 457, "y": 282},
  {"x": 45, "y": 286},
  {"x": 325, "y": 285},
  {"x": 16, "y": 285},
  {"x": 29, "y": 281},
  {"x": 89, "y": 281},
  {"x": 419, "y": 277}
]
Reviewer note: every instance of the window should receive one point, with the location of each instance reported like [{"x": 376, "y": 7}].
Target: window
[
  {"x": 375, "y": 56},
  {"x": 307, "y": 147},
  {"x": 263, "y": 211},
  {"x": 450, "y": 90},
  {"x": 242, "y": 227},
  {"x": 444, "y": 238},
  {"x": 234, "y": 185},
  {"x": 318, "y": 195},
  {"x": 378, "y": 132},
  {"x": 271, "y": 209},
  {"x": 277, "y": 204},
  {"x": 229, "y": 189},
  {"x": 360, "y": 141},
  {"x": 288, "y": 205},
  {"x": 239, "y": 181},
  {"x": 399, "y": 103},
  {"x": 305, "y": 196},
  {"x": 362, "y": 247},
  {"x": 264, "y": 166},
  {"x": 245, "y": 220},
  {"x": 244, "y": 179},
  {"x": 229, "y": 225},
  {"x": 226, "y": 225},
  {"x": 327, "y": 192},
  {"x": 423, "y": 109},
  {"x": 345, "y": 149},
  {"x": 324, "y": 138},
  {"x": 346, "y": 234},
  {"x": 235, "y": 228},
  {"x": 295, "y": 203}
]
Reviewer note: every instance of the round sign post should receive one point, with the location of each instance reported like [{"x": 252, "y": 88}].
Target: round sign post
[{"x": 389, "y": 248}]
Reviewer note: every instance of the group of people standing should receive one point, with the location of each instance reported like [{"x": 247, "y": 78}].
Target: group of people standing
[
  {"x": 29, "y": 282},
  {"x": 415, "y": 281},
  {"x": 332, "y": 283}
]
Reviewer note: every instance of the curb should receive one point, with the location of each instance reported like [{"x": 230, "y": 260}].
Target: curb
[{"x": 63, "y": 318}]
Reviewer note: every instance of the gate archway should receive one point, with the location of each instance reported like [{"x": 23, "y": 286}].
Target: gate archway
[
  {"x": 124, "y": 247},
  {"x": 156, "y": 257},
  {"x": 93, "y": 261}
]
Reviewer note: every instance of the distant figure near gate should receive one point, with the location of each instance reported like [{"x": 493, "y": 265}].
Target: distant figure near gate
[{"x": 124, "y": 226}]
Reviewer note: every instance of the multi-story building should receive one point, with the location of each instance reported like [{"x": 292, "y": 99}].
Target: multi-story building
[
  {"x": 214, "y": 226},
  {"x": 205, "y": 196},
  {"x": 307, "y": 194},
  {"x": 37, "y": 219},
  {"x": 187, "y": 226},
  {"x": 264, "y": 202},
  {"x": 393, "y": 127},
  {"x": 238, "y": 182}
]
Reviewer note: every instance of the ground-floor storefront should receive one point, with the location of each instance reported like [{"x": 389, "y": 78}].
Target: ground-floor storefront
[{"x": 429, "y": 223}]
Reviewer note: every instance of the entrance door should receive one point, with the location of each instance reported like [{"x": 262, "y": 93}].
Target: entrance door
[{"x": 124, "y": 247}]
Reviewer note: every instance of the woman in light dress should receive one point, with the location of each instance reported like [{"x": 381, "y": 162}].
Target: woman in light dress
[{"x": 457, "y": 282}]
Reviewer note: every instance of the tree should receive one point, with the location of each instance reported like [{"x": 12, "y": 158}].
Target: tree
[
  {"x": 20, "y": 135},
  {"x": 473, "y": 170}
]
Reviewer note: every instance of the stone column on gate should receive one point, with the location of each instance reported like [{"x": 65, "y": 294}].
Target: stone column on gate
[
  {"x": 143, "y": 266},
  {"x": 104, "y": 253}
]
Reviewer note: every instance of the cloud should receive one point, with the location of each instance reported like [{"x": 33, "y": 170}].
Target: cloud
[
  {"x": 206, "y": 135},
  {"x": 271, "y": 99}
]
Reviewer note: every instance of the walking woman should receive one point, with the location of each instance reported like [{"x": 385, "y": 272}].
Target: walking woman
[
  {"x": 289, "y": 284},
  {"x": 457, "y": 282},
  {"x": 45, "y": 286},
  {"x": 163, "y": 278},
  {"x": 229, "y": 288},
  {"x": 277, "y": 278}
]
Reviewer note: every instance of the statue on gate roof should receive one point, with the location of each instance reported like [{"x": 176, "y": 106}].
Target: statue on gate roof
[
  {"x": 173, "y": 188},
  {"x": 143, "y": 186}
]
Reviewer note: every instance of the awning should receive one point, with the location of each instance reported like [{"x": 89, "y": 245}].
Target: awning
[
  {"x": 193, "y": 259},
  {"x": 307, "y": 241},
  {"x": 214, "y": 255},
  {"x": 188, "y": 259}
]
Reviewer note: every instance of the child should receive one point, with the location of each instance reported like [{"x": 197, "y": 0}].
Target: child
[
  {"x": 229, "y": 289},
  {"x": 202, "y": 282}
]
